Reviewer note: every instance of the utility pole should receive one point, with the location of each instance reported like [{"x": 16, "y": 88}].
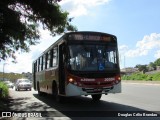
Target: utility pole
[
  {"x": 124, "y": 63},
  {"x": 3, "y": 69}
]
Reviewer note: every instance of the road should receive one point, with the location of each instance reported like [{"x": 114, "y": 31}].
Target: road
[{"x": 134, "y": 97}]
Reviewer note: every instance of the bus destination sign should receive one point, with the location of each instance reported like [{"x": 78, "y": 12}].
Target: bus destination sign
[{"x": 90, "y": 37}]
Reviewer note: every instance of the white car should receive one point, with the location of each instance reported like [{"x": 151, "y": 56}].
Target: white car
[{"x": 24, "y": 84}]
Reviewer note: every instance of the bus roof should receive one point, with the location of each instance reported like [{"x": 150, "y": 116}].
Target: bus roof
[
  {"x": 91, "y": 32},
  {"x": 70, "y": 33},
  {"x": 78, "y": 32}
]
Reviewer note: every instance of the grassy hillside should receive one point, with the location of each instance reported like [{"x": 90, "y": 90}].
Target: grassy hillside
[
  {"x": 141, "y": 76},
  {"x": 11, "y": 76}
]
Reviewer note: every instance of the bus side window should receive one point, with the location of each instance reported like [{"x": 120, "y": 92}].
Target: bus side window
[
  {"x": 35, "y": 66},
  {"x": 55, "y": 56},
  {"x": 44, "y": 62},
  {"x": 41, "y": 63},
  {"x": 38, "y": 65},
  {"x": 51, "y": 58},
  {"x": 48, "y": 60}
]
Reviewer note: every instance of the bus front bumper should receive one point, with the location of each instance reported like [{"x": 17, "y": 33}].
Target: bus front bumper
[{"x": 73, "y": 90}]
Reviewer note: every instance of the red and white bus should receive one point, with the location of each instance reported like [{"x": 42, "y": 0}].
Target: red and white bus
[{"x": 79, "y": 63}]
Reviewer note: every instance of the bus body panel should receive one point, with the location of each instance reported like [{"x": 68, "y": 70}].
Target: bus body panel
[
  {"x": 116, "y": 88},
  {"x": 46, "y": 78}
]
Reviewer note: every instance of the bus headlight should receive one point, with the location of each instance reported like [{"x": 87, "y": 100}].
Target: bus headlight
[
  {"x": 70, "y": 79},
  {"x": 119, "y": 78}
]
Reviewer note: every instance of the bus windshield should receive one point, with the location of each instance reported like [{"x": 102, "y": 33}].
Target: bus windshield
[{"x": 93, "y": 57}]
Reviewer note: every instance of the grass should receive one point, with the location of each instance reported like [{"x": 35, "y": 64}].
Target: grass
[{"x": 142, "y": 77}]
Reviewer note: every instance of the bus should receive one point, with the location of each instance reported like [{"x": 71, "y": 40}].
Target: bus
[{"x": 79, "y": 63}]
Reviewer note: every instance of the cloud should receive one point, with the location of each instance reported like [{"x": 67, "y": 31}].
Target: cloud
[
  {"x": 123, "y": 49},
  {"x": 157, "y": 54},
  {"x": 78, "y": 8},
  {"x": 24, "y": 64},
  {"x": 144, "y": 46},
  {"x": 149, "y": 42}
]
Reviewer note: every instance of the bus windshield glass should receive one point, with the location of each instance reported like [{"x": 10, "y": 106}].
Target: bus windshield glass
[{"x": 93, "y": 57}]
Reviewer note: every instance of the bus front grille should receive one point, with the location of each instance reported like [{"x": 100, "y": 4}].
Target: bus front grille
[
  {"x": 97, "y": 90},
  {"x": 96, "y": 83}
]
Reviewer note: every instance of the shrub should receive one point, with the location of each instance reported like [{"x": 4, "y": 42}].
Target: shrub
[{"x": 5, "y": 92}]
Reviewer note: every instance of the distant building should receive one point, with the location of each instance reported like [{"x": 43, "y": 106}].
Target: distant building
[
  {"x": 158, "y": 67},
  {"x": 151, "y": 68},
  {"x": 128, "y": 71}
]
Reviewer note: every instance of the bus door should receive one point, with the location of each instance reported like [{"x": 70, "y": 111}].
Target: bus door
[{"x": 62, "y": 53}]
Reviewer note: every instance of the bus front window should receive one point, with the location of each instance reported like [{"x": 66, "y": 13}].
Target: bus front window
[{"x": 93, "y": 57}]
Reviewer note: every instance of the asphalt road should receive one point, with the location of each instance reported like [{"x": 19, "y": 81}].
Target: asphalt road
[{"x": 135, "y": 99}]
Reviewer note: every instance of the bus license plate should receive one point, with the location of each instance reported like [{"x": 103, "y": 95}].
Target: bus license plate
[{"x": 97, "y": 89}]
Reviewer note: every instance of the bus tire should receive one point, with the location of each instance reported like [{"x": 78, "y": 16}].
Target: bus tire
[
  {"x": 55, "y": 93},
  {"x": 38, "y": 89},
  {"x": 54, "y": 89},
  {"x": 96, "y": 97}
]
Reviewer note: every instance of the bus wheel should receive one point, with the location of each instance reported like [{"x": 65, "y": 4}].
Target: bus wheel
[
  {"x": 96, "y": 97},
  {"x": 55, "y": 93},
  {"x": 38, "y": 89}
]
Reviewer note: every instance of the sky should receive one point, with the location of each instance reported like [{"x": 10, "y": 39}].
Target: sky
[{"x": 136, "y": 23}]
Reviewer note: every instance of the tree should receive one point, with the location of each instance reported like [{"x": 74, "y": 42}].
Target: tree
[
  {"x": 157, "y": 62},
  {"x": 152, "y": 65},
  {"x": 20, "y": 20},
  {"x": 142, "y": 68}
]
